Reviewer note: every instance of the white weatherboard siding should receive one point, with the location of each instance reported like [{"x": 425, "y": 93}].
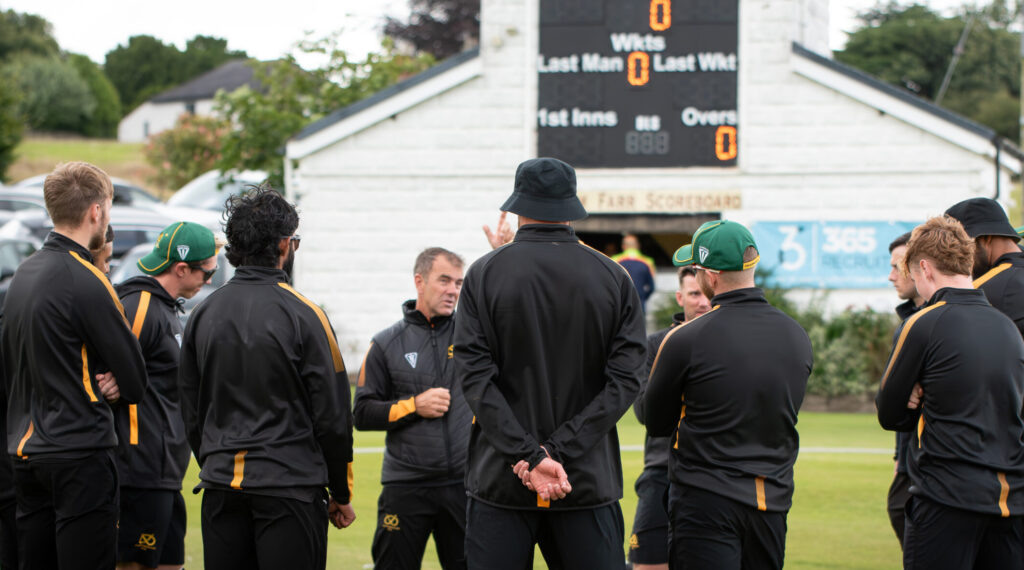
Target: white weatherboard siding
[{"x": 431, "y": 168}]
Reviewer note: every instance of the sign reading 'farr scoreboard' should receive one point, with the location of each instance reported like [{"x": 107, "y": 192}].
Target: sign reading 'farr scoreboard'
[{"x": 638, "y": 83}]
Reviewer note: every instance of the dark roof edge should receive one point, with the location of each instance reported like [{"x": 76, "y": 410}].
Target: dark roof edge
[
  {"x": 421, "y": 77},
  {"x": 906, "y": 97}
]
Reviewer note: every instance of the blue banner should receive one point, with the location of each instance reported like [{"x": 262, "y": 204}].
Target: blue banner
[{"x": 827, "y": 254}]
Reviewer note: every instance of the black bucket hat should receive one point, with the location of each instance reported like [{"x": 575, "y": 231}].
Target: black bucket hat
[
  {"x": 982, "y": 217},
  {"x": 545, "y": 190}
]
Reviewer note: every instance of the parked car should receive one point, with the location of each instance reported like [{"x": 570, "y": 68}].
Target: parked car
[
  {"x": 132, "y": 226},
  {"x": 12, "y": 252},
  {"x": 125, "y": 193},
  {"x": 21, "y": 199},
  {"x": 211, "y": 189},
  {"x": 129, "y": 268}
]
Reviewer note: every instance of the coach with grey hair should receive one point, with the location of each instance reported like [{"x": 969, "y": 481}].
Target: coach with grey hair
[
  {"x": 549, "y": 347},
  {"x": 406, "y": 387}
]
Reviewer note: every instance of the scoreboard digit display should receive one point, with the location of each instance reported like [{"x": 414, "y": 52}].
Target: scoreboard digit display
[{"x": 638, "y": 83}]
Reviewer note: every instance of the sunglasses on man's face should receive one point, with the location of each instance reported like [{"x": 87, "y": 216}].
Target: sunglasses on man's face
[
  {"x": 295, "y": 240},
  {"x": 207, "y": 273}
]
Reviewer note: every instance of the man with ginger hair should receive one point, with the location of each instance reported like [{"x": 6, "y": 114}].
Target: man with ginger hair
[
  {"x": 63, "y": 323},
  {"x": 955, "y": 379}
]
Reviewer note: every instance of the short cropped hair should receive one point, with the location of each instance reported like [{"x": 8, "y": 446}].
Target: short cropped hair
[
  {"x": 687, "y": 271},
  {"x": 425, "y": 260},
  {"x": 943, "y": 241},
  {"x": 72, "y": 188},
  {"x": 257, "y": 220},
  {"x": 899, "y": 242}
]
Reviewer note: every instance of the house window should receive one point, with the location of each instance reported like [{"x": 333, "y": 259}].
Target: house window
[
  {"x": 190, "y": 108},
  {"x": 145, "y": 129}
]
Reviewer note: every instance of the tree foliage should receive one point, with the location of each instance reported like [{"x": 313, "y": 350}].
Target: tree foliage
[
  {"x": 292, "y": 98},
  {"x": 186, "y": 151},
  {"x": 53, "y": 96},
  {"x": 25, "y": 34},
  {"x": 912, "y": 46},
  {"x": 145, "y": 66},
  {"x": 10, "y": 124},
  {"x": 107, "y": 113},
  {"x": 441, "y": 28}
]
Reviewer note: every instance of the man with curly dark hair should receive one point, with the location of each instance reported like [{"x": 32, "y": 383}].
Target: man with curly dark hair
[{"x": 266, "y": 402}]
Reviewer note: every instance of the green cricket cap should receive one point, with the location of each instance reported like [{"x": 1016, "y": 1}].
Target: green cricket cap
[
  {"x": 180, "y": 241},
  {"x": 718, "y": 245}
]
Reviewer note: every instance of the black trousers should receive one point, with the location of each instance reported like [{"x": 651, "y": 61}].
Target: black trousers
[
  {"x": 245, "y": 531},
  {"x": 8, "y": 536},
  {"x": 585, "y": 539},
  {"x": 899, "y": 494},
  {"x": 709, "y": 531},
  {"x": 67, "y": 512},
  {"x": 406, "y": 516},
  {"x": 940, "y": 538}
]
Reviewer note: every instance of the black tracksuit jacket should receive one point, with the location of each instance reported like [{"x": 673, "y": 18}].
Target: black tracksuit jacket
[
  {"x": 152, "y": 452},
  {"x": 656, "y": 449},
  {"x": 732, "y": 380},
  {"x": 967, "y": 440},
  {"x": 904, "y": 311},
  {"x": 264, "y": 393},
  {"x": 404, "y": 360},
  {"x": 63, "y": 323},
  {"x": 1004, "y": 287},
  {"x": 549, "y": 347}
]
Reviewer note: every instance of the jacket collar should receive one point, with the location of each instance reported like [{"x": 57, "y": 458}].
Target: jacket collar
[
  {"x": 906, "y": 308},
  {"x": 740, "y": 296},
  {"x": 1015, "y": 258},
  {"x": 61, "y": 242},
  {"x": 258, "y": 274},
  {"x": 414, "y": 317},
  {"x": 678, "y": 318},
  {"x": 956, "y": 296},
  {"x": 546, "y": 232},
  {"x": 147, "y": 283}
]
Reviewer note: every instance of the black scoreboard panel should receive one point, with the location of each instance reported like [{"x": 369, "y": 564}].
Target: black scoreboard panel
[{"x": 638, "y": 83}]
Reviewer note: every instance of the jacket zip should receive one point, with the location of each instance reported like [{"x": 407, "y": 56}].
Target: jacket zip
[{"x": 444, "y": 419}]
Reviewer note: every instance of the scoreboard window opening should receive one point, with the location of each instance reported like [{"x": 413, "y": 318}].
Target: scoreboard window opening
[{"x": 623, "y": 83}]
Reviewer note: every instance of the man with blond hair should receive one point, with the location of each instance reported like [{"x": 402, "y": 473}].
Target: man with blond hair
[
  {"x": 62, "y": 324},
  {"x": 955, "y": 379}
]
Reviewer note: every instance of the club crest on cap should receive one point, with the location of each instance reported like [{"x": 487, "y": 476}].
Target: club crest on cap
[
  {"x": 182, "y": 252},
  {"x": 703, "y": 252}
]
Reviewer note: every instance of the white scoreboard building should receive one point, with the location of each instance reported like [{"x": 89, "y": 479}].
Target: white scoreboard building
[{"x": 674, "y": 112}]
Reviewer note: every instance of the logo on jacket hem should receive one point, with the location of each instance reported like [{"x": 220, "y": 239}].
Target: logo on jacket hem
[
  {"x": 390, "y": 522},
  {"x": 411, "y": 357}
]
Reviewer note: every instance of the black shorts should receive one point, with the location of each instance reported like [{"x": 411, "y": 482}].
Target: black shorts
[
  {"x": 649, "y": 541},
  {"x": 152, "y": 527},
  {"x": 899, "y": 495}
]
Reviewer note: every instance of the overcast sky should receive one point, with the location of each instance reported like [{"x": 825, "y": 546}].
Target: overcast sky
[{"x": 265, "y": 29}]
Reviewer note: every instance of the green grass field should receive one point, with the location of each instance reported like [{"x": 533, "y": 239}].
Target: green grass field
[{"x": 838, "y": 518}]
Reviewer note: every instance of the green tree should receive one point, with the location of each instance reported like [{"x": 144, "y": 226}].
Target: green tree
[
  {"x": 146, "y": 66},
  {"x": 53, "y": 96},
  {"x": 104, "y": 119},
  {"x": 25, "y": 33},
  {"x": 912, "y": 46},
  {"x": 203, "y": 53},
  {"x": 10, "y": 124},
  {"x": 143, "y": 65},
  {"x": 292, "y": 98}
]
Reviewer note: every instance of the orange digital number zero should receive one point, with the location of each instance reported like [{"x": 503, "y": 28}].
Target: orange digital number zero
[
  {"x": 663, "y": 20},
  {"x": 725, "y": 143},
  {"x": 638, "y": 71}
]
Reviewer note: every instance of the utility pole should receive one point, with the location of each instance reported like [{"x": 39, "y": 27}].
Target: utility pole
[{"x": 957, "y": 52}]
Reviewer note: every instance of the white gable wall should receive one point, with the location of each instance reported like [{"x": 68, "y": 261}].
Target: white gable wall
[
  {"x": 432, "y": 174},
  {"x": 159, "y": 116}
]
